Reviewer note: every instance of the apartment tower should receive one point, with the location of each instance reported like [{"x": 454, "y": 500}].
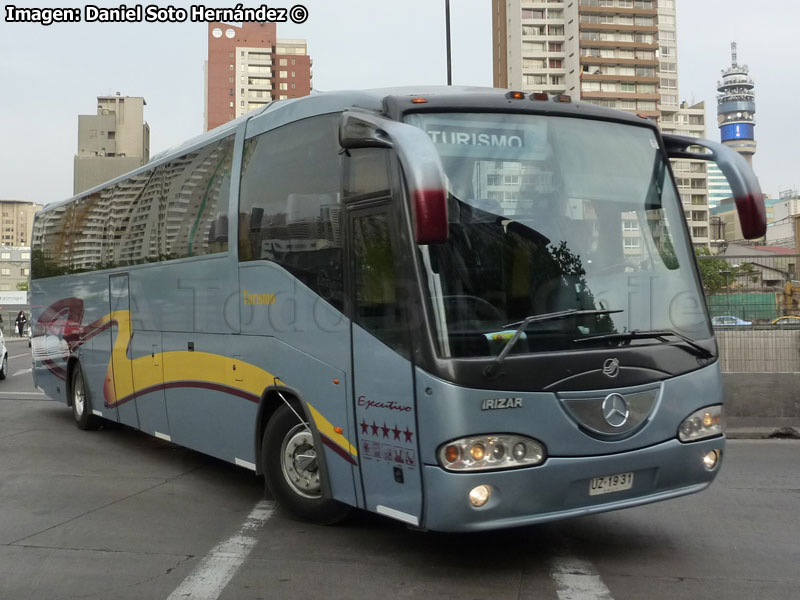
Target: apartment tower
[
  {"x": 615, "y": 53},
  {"x": 248, "y": 67},
  {"x": 112, "y": 142}
]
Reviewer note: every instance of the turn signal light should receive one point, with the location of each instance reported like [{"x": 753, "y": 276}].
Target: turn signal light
[{"x": 494, "y": 451}]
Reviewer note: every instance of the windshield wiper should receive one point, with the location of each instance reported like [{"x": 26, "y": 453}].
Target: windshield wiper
[
  {"x": 561, "y": 314},
  {"x": 627, "y": 337}
]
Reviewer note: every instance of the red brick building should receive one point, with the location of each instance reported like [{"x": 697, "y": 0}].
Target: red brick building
[{"x": 248, "y": 66}]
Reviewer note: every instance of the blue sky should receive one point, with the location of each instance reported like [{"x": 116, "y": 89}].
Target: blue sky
[{"x": 52, "y": 74}]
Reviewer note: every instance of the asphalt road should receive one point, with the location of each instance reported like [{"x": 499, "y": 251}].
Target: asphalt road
[{"x": 117, "y": 514}]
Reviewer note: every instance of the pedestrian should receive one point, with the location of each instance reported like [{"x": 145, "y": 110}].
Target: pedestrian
[{"x": 21, "y": 321}]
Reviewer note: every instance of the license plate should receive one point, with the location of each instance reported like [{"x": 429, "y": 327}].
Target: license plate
[{"x": 610, "y": 483}]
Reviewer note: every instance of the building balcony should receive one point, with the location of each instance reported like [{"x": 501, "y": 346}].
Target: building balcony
[
  {"x": 616, "y": 10},
  {"x": 618, "y": 78},
  {"x": 617, "y": 27},
  {"x": 614, "y": 44},
  {"x": 632, "y": 62},
  {"x": 620, "y": 96}
]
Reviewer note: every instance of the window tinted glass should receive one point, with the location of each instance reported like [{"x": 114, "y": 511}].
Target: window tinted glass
[
  {"x": 366, "y": 172},
  {"x": 175, "y": 210},
  {"x": 377, "y": 295},
  {"x": 290, "y": 204}
]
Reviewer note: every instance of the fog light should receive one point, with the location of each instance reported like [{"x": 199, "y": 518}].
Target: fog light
[
  {"x": 480, "y": 495},
  {"x": 710, "y": 460}
]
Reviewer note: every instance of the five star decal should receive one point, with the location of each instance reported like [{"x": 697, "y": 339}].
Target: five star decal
[{"x": 385, "y": 432}]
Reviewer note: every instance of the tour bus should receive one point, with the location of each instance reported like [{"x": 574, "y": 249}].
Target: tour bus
[{"x": 459, "y": 308}]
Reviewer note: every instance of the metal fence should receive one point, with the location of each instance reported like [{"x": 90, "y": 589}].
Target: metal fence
[{"x": 754, "y": 302}]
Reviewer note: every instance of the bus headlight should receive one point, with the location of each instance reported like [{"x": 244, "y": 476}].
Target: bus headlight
[
  {"x": 493, "y": 451},
  {"x": 704, "y": 423}
]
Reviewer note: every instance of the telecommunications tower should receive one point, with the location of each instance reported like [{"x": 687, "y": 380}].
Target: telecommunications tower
[{"x": 736, "y": 108}]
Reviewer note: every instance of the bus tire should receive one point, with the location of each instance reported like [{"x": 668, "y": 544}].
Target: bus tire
[
  {"x": 81, "y": 405},
  {"x": 291, "y": 472},
  {"x": 4, "y": 367}
]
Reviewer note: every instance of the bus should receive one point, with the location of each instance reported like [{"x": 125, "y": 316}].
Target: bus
[{"x": 460, "y": 308}]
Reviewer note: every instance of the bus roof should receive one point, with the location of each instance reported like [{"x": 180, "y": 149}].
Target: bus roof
[{"x": 391, "y": 101}]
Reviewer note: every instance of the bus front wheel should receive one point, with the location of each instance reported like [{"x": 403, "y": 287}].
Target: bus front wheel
[
  {"x": 81, "y": 405},
  {"x": 292, "y": 470}
]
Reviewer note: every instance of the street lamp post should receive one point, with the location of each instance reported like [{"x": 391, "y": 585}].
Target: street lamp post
[{"x": 447, "y": 31}]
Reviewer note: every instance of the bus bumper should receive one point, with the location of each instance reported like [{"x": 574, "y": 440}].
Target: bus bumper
[{"x": 559, "y": 488}]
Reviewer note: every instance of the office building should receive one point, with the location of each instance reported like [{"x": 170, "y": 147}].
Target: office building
[
  {"x": 248, "y": 66},
  {"x": 112, "y": 142}
]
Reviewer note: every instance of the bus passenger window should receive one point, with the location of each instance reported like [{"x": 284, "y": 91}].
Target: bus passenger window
[{"x": 290, "y": 203}]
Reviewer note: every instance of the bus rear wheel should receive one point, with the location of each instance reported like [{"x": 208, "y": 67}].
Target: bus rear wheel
[
  {"x": 81, "y": 405},
  {"x": 292, "y": 471}
]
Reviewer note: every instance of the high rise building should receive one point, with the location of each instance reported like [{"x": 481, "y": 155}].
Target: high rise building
[
  {"x": 112, "y": 142},
  {"x": 248, "y": 67},
  {"x": 615, "y": 53},
  {"x": 718, "y": 186},
  {"x": 736, "y": 108},
  {"x": 602, "y": 51},
  {"x": 691, "y": 176},
  {"x": 17, "y": 223}
]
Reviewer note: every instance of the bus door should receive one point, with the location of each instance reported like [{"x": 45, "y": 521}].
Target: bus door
[
  {"x": 120, "y": 307},
  {"x": 385, "y": 407}
]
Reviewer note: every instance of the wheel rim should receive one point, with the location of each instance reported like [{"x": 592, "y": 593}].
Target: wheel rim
[
  {"x": 299, "y": 462},
  {"x": 78, "y": 399}
]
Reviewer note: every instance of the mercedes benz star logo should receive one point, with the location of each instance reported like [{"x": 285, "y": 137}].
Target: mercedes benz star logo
[
  {"x": 611, "y": 367},
  {"x": 615, "y": 410}
]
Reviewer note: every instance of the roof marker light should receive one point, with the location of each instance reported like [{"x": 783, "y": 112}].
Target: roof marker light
[
  {"x": 563, "y": 98},
  {"x": 516, "y": 95},
  {"x": 540, "y": 96},
  {"x": 419, "y": 100}
]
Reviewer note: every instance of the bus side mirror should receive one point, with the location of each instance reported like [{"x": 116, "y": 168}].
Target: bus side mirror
[
  {"x": 421, "y": 165},
  {"x": 744, "y": 184}
]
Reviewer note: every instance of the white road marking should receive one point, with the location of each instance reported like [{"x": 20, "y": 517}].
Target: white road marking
[
  {"x": 22, "y": 372},
  {"x": 16, "y": 394},
  {"x": 577, "y": 579},
  {"x": 219, "y": 566},
  {"x": 18, "y": 355}
]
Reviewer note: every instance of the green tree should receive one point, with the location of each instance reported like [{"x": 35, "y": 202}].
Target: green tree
[{"x": 718, "y": 274}]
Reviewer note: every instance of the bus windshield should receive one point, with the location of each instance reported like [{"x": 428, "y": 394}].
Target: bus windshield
[{"x": 550, "y": 214}]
